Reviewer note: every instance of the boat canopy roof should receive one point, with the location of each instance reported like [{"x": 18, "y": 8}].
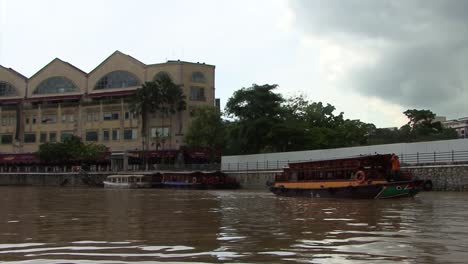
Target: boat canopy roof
[{"x": 125, "y": 176}]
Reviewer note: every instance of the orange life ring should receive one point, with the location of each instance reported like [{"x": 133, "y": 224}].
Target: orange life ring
[
  {"x": 360, "y": 176},
  {"x": 194, "y": 180}
]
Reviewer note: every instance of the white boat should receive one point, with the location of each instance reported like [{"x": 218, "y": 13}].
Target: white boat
[{"x": 128, "y": 181}]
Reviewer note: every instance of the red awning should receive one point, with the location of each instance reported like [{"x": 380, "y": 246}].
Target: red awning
[
  {"x": 23, "y": 158},
  {"x": 115, "y": 93},
  {"x": 162, "y": 153},
  {"x": 54, "y": 98},
  {"x": 9, "y": 101}
]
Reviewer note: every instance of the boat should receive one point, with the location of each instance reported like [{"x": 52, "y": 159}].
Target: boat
[
  {"x": 132, "y": 181},
  {"x": 362, "y": 177},
  {"x": 198, "y": 180}
]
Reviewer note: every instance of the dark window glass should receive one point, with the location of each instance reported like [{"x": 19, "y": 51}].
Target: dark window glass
[
  {"x": 91, "y": 135},
  {"x": 117, "y": 79},
  {"x": 65, "y": 135},
  {"x": 52, "y": 137},
  {"x": 7, "y": 139},
  {"x": 198, "y": 77},
  {"x": 49, "y": 119},
  {"x": 57, "y": 84},
  {"x": 29, "y": 138},
  {"x": 197, "y": 93},
  {"x": 115, "y": 134},
  {"x": 43, "y": 137},
  {"x": 111, "y": 115},
  {"x": 6, "y": 89},
  {"x": 105, "y": 135},
  {"x": 130, "y": 134}
]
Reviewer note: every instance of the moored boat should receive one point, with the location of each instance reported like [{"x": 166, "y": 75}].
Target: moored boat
[
  {"x": 363, "y": 177},
  {"x": 131, "y": 181},
  {"x": 198, "y": 180}
]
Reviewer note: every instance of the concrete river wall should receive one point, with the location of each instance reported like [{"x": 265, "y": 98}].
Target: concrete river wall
[{"x": 52, "y": 179}]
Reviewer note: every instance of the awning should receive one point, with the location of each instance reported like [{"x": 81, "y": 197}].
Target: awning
[
  {"x": 23, "y": 158},
  {"x": 9, "y": 101},
  {"x": 109, "y": 94},
  {"x": 54, "y": 98}
]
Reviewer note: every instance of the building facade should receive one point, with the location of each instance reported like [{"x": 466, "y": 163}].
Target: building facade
[
  {"x": 460, "y": 125},
  {"x": 61, "y": 100}
]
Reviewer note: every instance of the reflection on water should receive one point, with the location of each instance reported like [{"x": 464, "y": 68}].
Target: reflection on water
[{"x": 54, "y": 225}]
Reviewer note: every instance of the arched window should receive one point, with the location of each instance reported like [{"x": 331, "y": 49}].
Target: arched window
[
  {"x": 160, "y": 75},
  {"x": 198, "y": 77},
  {"x": 57, "y": 84},
  {"x": 7, "y": 89},
  {"x": 117, "y": 79}
]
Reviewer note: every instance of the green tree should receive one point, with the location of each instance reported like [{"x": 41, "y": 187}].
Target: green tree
[
  {"x": 422, "y": 127},
  {"x": 71, "y": 150},
  {"x": 172, "y": 100},
  {"x": 206, "y": 129},
  {"x": 255, "y": 111},
  {"x": 146, "y": 100}
]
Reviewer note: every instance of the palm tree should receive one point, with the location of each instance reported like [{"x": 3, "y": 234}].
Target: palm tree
[
  {"x": 146, "y": 100},
  {"x": 172, "y": 100}
]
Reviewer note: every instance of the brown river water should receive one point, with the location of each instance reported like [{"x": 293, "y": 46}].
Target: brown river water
[{"x": 65, "y": 225}]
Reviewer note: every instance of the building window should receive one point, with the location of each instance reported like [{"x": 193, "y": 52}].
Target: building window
[
  {"x": 117, "y": 79},
  {"x": 105, "y": 135},
  {"x": 8, "y": 120},
  {"x": 34, "y": 120},
  {"x": 43, "y": 137},
  {"x": 110, "y": 116},
  {"x": 91, "y": 136},
  {"x": 69, "y": 117},
  {"x": 57, "y": 84},
  {"x": 30, "y": 138},
  {"x": 64, "y": 135},
  {"x": 27, "y": 120},
  {"x": 115, "y": 134},
  {"x": 197, "y": 93},
  {"x": 129, "y": 115},
  {"x": 7, "y": 89},
  {"x": 7, "y": 139},
  {"x": 198, "y": 77},
  {"x": 49, "y": 119},
  {"x": 52, "y": 136},
  {"x": 130, "y": 133},
  {"x": 157, "y": 132}
]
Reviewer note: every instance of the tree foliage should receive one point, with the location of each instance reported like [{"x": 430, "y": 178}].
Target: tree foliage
[
  {"x": 72, "y": 150},
  {"x": 207, "y": 129},
  {"x": 161, "y": 95}
]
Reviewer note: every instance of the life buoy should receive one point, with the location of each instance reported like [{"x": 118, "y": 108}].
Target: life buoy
[
  {"x": 194, "y": 180},
  {"x": 360, "y": 176}
]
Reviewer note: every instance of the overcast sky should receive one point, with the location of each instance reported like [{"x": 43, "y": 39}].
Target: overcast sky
[{"x": 371, "y": 59}]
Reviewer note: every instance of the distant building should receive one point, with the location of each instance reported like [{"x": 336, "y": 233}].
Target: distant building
[
  {"x": 460, "y": 125},
  {"x": 439, "y": 119},
  {"x": 61, "y": 100}
]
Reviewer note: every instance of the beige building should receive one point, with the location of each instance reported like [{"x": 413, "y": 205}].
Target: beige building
[
  {"x": 460, "y": 125},
  {"x": 61, "y": 100}
]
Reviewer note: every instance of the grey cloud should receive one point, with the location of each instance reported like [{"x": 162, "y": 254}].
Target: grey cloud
[{"x": 425, "y": 61}]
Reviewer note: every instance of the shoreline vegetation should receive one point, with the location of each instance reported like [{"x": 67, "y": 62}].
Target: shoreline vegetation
[{"x": 259, "y": 120}]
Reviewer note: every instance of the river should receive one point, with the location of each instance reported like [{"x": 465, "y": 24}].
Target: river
[{"x": 66, "y": 225}]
